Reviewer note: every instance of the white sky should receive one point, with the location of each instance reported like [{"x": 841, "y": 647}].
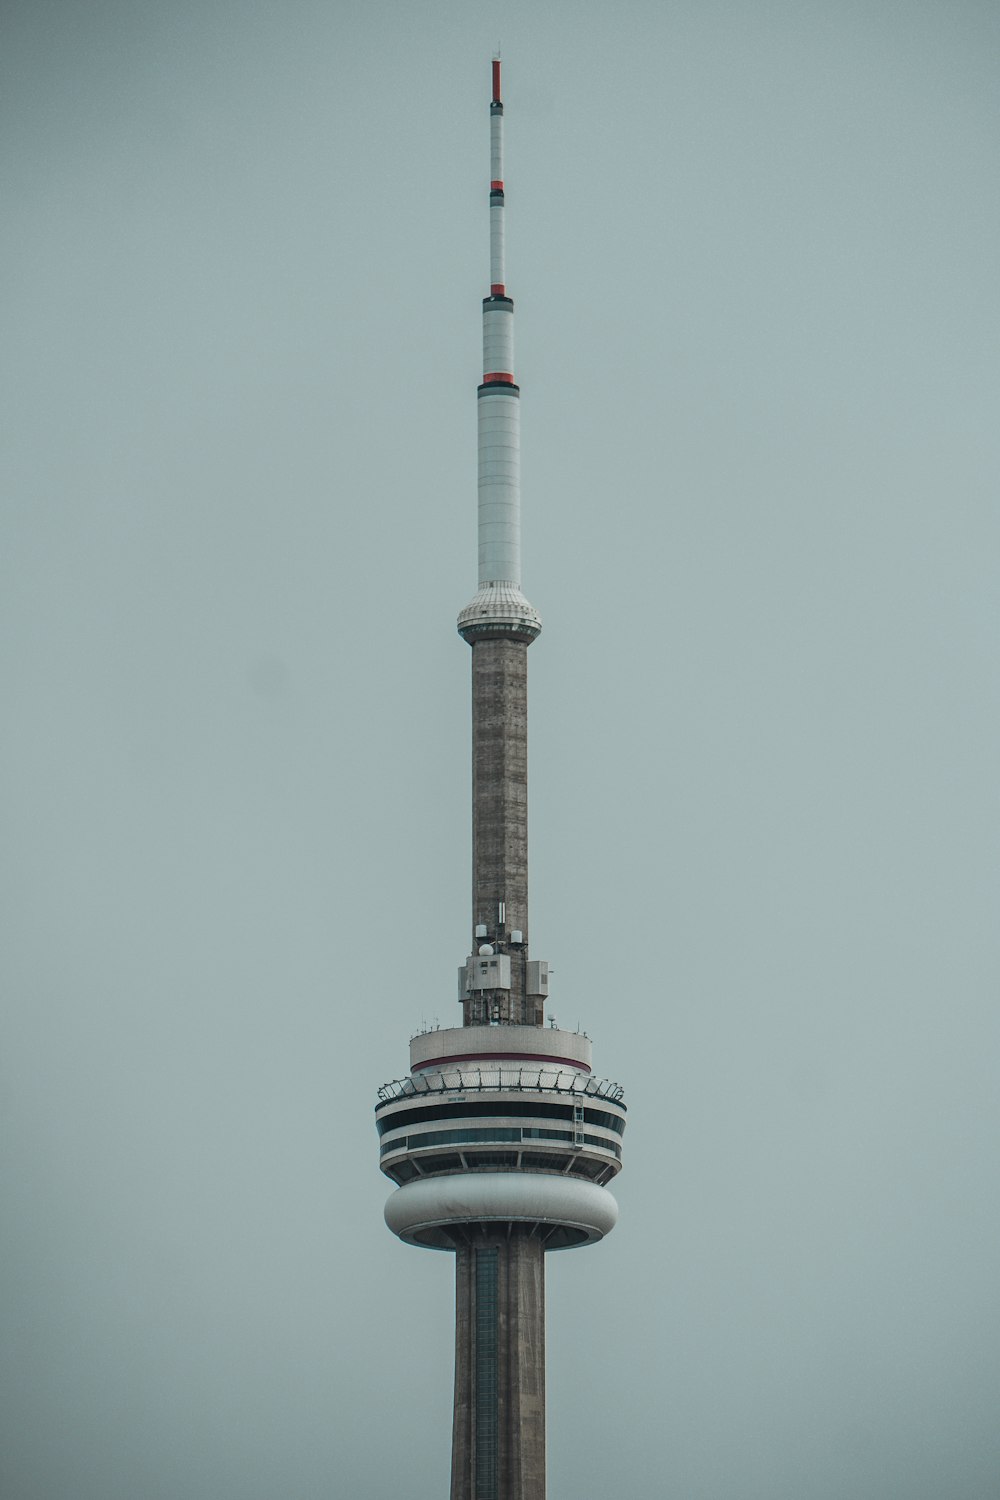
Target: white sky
[{"x": 753, "y": 249}]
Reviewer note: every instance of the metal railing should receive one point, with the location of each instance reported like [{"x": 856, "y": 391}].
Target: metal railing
[{"x": 502, "y": 1080}]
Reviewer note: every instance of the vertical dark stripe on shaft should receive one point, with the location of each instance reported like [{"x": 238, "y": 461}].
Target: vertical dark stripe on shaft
[
  {"x": 487, "y": 1417},
  {"x": 462, "y": 1446}
]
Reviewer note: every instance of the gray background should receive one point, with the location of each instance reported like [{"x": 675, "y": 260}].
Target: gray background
[{"x": 754, "y": 250}]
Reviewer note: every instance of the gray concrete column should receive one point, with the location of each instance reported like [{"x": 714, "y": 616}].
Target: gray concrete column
[
  {"x": 498, "y": 1441},
  {"x": 500, "y": 797}
]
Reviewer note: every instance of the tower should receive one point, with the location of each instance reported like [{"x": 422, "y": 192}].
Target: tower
[{"x": 500, "y": 1139}]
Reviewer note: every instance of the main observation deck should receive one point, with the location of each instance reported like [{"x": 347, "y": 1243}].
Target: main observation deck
[{"x": 510, "y": 1102}]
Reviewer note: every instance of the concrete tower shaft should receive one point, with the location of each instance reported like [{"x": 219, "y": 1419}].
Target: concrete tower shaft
[
  {"x": 498, "y": 1431},
  {"x": 500, "y": 826}
]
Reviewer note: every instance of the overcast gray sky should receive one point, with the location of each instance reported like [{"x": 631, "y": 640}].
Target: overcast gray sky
[{"x": 754, "y": 249}]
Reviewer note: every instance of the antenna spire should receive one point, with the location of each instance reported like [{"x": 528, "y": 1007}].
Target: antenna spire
[{"x": 499, "y": 608}]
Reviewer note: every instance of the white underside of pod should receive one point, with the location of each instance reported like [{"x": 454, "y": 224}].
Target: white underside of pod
[{"x": 418, "y": 1209}]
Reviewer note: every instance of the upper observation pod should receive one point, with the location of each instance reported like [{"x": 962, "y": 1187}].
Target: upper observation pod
[{"x": 499, "y": 607}]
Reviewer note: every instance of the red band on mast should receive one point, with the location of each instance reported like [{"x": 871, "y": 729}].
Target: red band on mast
[{"x": 496, "y": 80}]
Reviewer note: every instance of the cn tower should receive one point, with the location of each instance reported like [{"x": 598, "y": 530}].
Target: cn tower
[{"x": 500, "y": 1139}]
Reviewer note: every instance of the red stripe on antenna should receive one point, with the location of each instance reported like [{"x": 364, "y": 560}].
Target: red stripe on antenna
[
  {"x": 497, "y": 289},
  {"x": 496, "y": 80},
  {"x": 498, "y": 377},
  {"x": 497, "y": 184}
]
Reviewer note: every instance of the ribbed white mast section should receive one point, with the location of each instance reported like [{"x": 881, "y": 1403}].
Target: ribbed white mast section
[
  {"x": 499, "y": 475},
  {"x": 497, "y": 273},
  {"x": 499, "y": 605}
]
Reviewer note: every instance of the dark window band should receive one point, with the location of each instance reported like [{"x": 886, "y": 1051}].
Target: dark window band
[
  {"x": 497, "y": 1109},
  {"x": 493, "y": 1135}
]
